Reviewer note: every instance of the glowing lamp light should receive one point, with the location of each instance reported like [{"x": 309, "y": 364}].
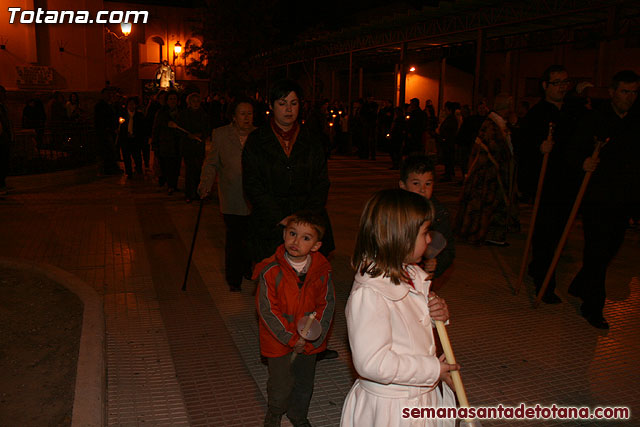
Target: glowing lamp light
[
  {"x": 268, "y": 112},
  {"x": 407, "y": 117},
  {"x": 177, "y": 48},
  {"x": 121, "y": 120},
  {"x": 340, "y": 112},
  {"x": 388, "y": 135},
  {"x": 334, "y": 116},
  {"x": 412, "y": 69},
  {"x": 331, "y": 111},
  {"x": 126, "y": 28},
  {"x": 330, "y": 125}
]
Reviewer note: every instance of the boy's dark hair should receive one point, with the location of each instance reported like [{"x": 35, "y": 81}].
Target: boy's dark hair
[
  {"x": 546, "y": 75},
  {"x": 311, "y": 218},
  {"x": 416, "y": 164},
  {"x": 624, "y": 76},
  {"x": 282, "y": 88}
]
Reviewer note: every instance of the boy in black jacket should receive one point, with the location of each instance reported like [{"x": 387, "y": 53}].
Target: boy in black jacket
[{"x": 417, "y": 176}]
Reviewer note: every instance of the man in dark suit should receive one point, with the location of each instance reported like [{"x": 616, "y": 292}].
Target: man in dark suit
[{"x": 613, "y": 194}]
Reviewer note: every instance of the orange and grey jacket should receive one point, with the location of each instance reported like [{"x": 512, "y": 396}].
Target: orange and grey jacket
[{"x": 281, "y": 302}]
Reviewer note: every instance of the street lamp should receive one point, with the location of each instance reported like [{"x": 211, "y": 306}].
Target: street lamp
[
  {"x": 126, "y": 28},
  {"x": 177, "y": 48}
]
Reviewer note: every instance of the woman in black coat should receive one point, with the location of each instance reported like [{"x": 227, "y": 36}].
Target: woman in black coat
[{"x": 284, "y": 170}]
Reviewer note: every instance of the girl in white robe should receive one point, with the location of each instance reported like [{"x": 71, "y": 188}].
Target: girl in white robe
[{"x": 389, "y": 318}]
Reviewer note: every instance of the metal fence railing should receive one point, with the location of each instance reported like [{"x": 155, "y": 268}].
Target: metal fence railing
[{"x": 52, "y": 149}]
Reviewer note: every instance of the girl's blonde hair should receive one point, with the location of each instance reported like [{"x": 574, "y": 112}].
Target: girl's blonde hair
[{"x": 389, "y": 226}]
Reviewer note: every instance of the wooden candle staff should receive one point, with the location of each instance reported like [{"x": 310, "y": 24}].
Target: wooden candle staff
[
  {"x": 174, "y": 125},
  {"x": 455, "y": 375},
  {"x": 534, "y": 214},
  {"x": 567, "y": 228}
]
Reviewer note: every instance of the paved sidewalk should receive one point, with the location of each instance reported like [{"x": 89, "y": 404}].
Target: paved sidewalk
[{"x": 191, "y": 358}]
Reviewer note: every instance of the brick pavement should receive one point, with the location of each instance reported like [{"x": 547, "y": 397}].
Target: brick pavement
[{"x": 191, "y": 358}]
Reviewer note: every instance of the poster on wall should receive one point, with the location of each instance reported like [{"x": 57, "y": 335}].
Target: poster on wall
[{"x": 34, "y": 76}]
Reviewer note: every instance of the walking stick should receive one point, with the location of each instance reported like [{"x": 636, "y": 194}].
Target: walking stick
[
  {"x": 193, "y": 244},
  {"x": 567, "y": 228},
  {"x": 534, "y": 214}
]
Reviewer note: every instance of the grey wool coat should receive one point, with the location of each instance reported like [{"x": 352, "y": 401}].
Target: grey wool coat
[{"x": 225, "y": 159}]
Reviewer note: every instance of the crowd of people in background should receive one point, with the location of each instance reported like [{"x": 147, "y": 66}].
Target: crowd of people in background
[{"x": 492, "y": 152}]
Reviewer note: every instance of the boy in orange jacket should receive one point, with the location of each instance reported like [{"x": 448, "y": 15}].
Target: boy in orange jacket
[{"x": 293, "y": 283}]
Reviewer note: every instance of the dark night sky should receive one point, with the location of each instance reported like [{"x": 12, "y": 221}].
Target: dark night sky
[{"x": 294, "y": 17}]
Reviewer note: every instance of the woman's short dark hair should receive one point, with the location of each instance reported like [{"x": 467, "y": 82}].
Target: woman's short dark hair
[{"x": 282, "y": 88}]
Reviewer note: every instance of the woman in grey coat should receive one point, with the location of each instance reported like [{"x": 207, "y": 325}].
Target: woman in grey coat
[{"x": 225, "y": 160}]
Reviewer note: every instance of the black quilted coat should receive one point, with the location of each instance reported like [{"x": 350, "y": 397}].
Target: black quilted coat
[{"x": 277, "y": 186}]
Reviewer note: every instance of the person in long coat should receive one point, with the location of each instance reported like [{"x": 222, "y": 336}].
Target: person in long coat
[
  {"x": 485, "y": 203},
  {"x": 132, "y": 135},
  {"x": 166, "y": 141},
  {"x": 225, "y": 161},
  {"x": 195, "y": 121},
  {"x": 284, "y": 170}
]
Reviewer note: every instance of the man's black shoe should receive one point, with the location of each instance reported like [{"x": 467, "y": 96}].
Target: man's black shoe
[
  {"x": 328, "y": 354},
  {"x": 573, "y": 292},
  {"x": 595, "y": 319},
  {"x": 551, "y": 299}
]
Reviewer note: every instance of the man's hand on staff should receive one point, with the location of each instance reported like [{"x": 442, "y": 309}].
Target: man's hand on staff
[
  {"x": 546, "y": 146},
  {"x": 590, "y": 164}
]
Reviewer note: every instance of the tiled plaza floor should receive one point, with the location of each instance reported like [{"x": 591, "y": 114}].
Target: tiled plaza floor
[{"x": 191, "y": 358}]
